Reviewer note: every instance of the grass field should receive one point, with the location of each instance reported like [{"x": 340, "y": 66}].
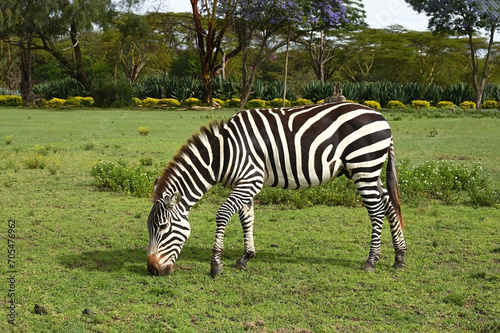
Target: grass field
[{"x": 80, "y": 251}]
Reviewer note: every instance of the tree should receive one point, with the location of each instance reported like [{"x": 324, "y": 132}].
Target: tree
[
  {"x": 210, "y": 32},
  {"x": 325, "y": 40},
  {"x": 17, "y": 17},
  {"x": 466, "y": 18},
  {"x": 266, "y": 26}
]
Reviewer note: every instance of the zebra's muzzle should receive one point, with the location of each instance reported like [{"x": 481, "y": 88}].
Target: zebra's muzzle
[{"x": 156, "y": 269}]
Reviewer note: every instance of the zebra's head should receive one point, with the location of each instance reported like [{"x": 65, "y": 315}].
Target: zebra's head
[{"x": 168, "y": 232}]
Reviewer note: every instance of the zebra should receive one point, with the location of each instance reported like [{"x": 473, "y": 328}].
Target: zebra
[{"x": 289, "y": 148}]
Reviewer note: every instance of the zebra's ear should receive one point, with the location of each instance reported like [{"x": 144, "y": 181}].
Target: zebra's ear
[{"x": 174, "y": 199}]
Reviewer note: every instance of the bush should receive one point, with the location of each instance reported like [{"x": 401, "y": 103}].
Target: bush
[
  {"x": 192, "y": 101},
  {"x": 395, "y": 105},
  {"x": 302, "y": 101},
  {"x": 468, "y": 105},
  {"x": 79, "y": 101},
  {"x": 56, "y": 102},
  {"x": 169, "y": 102},
  {"x": 36, "y": 161},
  {"x": 233, "y": 103},
  {"x": 119, "y": 177},
  {"x": 149, "y": 102},
  {"x": 489, "y": 105},
  {"x": 219, "y": 101},
  {"x": 136, "y": 101},
  {"x": 60, "y": 88},
  {"x": 256, "y": 104},
  {"x": 372, "y": 104},
  {"x": 317, "y": 90},
  {"x": 445, "y": 105},
  {"x": 10, "y": 100},
  {"x": 144, "y": 131},
  {"x": 278, "y": 102},
  {"x": 420, "y": 104}
]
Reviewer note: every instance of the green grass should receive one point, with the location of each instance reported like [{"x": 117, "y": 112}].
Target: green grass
[{"x": 79, "y": 247}]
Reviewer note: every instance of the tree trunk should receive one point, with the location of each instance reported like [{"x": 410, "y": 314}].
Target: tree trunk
[
  {"x": 286, "y": 66},
  {"x": 26, "y": 75},
  {"x": 80, "y": 74}
]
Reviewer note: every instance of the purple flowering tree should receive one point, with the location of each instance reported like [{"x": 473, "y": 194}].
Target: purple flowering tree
[
  {"x": 467, "y": 18},
  {"x": 325, "y": 40},
  {"x": 263, "y": 27}
]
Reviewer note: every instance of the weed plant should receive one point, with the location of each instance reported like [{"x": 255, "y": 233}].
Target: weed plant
[{"x": 449, "y": 181}]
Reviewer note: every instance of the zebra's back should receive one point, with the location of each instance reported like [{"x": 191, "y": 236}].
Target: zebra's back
[{"x": 306, "y": 146}]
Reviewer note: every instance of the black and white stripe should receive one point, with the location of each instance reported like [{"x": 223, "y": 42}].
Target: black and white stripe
[{"x": 290, "y": 148}]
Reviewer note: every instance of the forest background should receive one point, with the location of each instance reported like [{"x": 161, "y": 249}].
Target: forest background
[{"x": 107, "y": 49}]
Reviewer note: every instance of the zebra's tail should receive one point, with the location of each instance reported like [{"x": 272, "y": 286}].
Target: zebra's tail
[{"x": 393, "y": 184}]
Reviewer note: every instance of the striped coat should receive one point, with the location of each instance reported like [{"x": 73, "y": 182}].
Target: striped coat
[{"x": 291, "y": 148}]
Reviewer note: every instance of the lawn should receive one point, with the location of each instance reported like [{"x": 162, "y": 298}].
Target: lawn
[{"x": 80, "y": 251}]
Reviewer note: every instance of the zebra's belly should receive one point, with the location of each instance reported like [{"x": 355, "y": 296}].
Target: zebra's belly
[{"x": 293, "y": 178}]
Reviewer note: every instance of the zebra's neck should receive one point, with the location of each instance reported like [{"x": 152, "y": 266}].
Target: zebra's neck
[{"x": 192, "y": 170}]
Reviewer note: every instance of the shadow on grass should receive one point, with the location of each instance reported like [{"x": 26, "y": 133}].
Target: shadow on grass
[{"x": 133, "y": 260}]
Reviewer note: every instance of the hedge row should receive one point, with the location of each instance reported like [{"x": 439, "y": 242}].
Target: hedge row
[
  {"x": 278, "y": 102},
  {"x": 11, "y": 100}
]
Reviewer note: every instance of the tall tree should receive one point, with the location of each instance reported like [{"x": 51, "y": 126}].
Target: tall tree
[
  {"x": 16, "y": 19},
  {"x": 211, "y": 19},
  {"x": 325, "y": 40},
  {"x": 264, "y": 25},
  {"x": 467, "y": 18}
]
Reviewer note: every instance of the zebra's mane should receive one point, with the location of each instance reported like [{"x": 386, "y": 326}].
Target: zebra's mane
[{"x": 199, "y": 141}]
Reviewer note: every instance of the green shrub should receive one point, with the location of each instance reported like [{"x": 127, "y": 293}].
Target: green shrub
[
  {"x": 256, "y": 104},
  {"x": 445, "y": 105},
  {"x": 468, "y": 105},
  {"x": 395, "y": 105},
  {"x": 420, "y": 104},
  {"x": 36, "y": 161},
  {"x": 278, "y": 102},
  {"x": 233, "y": 103},
  {"x": 119, "y": 177},
  {"x": 317, "y": 90},
  {"x": 60, "y": 88},
  {"x": 10, "y": 100},
  {"x": 192, "y": 101},
  {"x": 9, "y": 139},
  {"x": 169, "y": 102},
  {"x": 489, "y": 105},
  {"x": 372, "y": 104},
  {"x": 302, "y": 101},
  {"x": 320, "y": 101}
]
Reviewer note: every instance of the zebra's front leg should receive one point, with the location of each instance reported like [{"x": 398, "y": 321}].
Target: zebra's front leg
[
  {"x": 247, "y": 219},
  {"x": 221, "y": 220},
  {"x": 234, "y": 203}
]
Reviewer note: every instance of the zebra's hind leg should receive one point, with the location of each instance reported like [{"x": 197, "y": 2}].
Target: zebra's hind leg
[
  {"x": 246, "y": 218},
  {"x": 372, "y": 200},
  {"x": 398, "y": 239}
]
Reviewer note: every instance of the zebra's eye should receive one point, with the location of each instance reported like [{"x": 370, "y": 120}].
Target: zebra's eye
[{"x": 163, "y": 226}]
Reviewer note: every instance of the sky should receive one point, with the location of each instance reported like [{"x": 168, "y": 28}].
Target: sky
[{"x": 379, "y": 14}]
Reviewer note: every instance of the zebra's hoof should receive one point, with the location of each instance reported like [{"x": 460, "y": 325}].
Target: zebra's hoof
[
  {"x": 399, "y": 265},
  {"x": 369, "y": 267},
  {"x": 241, "y": 265},
  {"x": 215, "y": 270}
]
